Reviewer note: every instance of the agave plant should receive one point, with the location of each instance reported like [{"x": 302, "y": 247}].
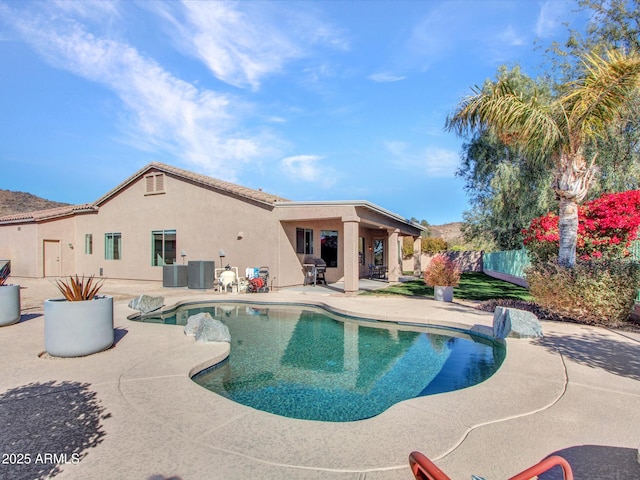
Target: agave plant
[
  {"x": 4, "y": 273},
  {"x": 78, "y": 289}
]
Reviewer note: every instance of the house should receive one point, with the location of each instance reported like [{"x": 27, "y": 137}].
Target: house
[{"x": 164, "y": 215}]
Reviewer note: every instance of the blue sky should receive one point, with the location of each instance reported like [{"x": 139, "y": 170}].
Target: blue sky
[{"x": 311, "y": 100}]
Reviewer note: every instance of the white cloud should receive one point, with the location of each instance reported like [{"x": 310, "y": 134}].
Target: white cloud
[
  {"x": 163, "y": 112},
  {"x": 308, "y": 168},
  {"x": 276, "y": 119},
  {"x": 493, "y": 31},
  {"x": 89, "y": 9},
  {"x": 510, "y": 36},
  {"x": 432, "y": 162},
  {"x": 550, "y": 18},
  {"x": 237, "y": 49},
  {"x": 439, "y": 162},
  {"x": 384, "y": 77},
  {"x": 433, "y": 37},
  {"x": 243, "y": 42}
]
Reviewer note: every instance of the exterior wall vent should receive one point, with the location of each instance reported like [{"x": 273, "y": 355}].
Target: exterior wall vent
[{"x": 154, "y": 183}]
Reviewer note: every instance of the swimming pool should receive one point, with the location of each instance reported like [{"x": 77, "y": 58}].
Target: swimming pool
[{"x": 301, "y": 361}]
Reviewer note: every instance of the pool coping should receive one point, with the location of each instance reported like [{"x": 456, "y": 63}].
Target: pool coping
[{"x": 287, "y": 453}]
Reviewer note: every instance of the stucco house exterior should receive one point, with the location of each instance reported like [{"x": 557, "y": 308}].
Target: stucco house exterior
[{"x": 165, "y": 215}]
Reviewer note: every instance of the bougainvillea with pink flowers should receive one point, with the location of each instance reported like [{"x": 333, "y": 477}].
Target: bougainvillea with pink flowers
[{"x": 606, "y": 228}]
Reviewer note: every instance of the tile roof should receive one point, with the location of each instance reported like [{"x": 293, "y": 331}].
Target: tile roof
[
  {"x": 221, "y": 185},
  {"x": 49, "y": 213}
]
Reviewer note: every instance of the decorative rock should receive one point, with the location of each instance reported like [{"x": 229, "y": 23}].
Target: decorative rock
[
  {"x": 193, "y": 323},
  {"x": 514, "y": 323},
  {"x": 146, "y": 303},
  {"x": 213, "y": 331},
  {"x": 207, "y": 329}
]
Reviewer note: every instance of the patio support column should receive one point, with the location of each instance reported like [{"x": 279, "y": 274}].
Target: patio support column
[
  {"x": 350, "y": 253},
  {"x": 394, "y": 265},
  {"x": 417, "y": 256}
]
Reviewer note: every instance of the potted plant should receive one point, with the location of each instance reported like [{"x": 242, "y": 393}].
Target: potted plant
[
  {"x": 442, "y": 274},
  {"x": 81, "y": 323},
  {"x": 9, "y": 298}
]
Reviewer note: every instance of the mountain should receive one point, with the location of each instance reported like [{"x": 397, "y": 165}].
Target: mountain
[
  {"x": 21, "y": 202},
  {"x": 449, "y": 232}
]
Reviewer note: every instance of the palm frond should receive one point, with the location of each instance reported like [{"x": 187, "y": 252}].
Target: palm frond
[
  {"x": 599, "y": 98},
  {"x": 526, "y": 122}
]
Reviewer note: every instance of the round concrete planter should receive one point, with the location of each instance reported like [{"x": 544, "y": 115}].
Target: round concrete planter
[
  {"x": 75, "y": 329},
  {"x": 9, "y": 304},
  {"x": 443, "y": 294}
]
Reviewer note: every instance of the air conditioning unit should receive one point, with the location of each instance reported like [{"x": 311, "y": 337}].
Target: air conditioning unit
[
  {"x": 201, "y": 273},
  {"x": 174, "y": 276}
]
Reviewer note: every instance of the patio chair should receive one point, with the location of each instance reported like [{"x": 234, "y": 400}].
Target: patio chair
[{"x": 424, "y": 469}]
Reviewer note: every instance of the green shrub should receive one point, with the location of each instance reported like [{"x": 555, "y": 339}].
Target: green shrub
[
  {"x": 407, "y": 247},
  {"x": 433, "y": 245},
  {"x": 594, "y": 292}
]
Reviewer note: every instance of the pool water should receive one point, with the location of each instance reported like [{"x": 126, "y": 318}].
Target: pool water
[{"x": 305, "y": 362}]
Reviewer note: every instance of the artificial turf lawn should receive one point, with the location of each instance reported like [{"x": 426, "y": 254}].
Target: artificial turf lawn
[{"x": 473, "y": 286}]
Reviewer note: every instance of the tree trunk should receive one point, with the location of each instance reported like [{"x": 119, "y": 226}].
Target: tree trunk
[
  {"x": 568, "y": 227},
  {"x": 572, "y": 182}
]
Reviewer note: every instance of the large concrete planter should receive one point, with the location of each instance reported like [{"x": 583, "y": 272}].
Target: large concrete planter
[
  {"x": 75, "y": 329},
  {"x": 9, "y": 304},
  {"x": 443, "y": 294}
]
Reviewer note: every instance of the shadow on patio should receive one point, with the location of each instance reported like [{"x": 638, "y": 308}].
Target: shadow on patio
[
  {"x": 598, "y": 462},
  {"x": 47, "y": 425},
  {"x": 598, "y": 350}
]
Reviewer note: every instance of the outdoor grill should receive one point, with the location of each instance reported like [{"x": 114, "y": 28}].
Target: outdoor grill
[{"x": 314, "y": 270}]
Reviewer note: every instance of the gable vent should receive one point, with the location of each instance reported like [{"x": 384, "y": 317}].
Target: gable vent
[{"x": 154, "y": 183}]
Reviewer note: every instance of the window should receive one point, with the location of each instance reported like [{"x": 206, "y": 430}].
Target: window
[
  {"x": 378, "y": 251},
  {"x": 163, "y": 247},
  {"x": 304, "y": 241},
  {"x": 154, "y": 183},
  {"x": 361, "y": 250},
  {"x": 112, "y": 246},
  {"x": 329, "y": 247},
  {"x": 88, "y": 244}
]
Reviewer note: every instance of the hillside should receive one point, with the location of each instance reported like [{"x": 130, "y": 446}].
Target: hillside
[
  {"x": 21, "y": 202},
  {"x": 449, "y": 232}
]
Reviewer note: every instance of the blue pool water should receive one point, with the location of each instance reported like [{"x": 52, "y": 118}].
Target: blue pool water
[{"x": 304, "y": 362}]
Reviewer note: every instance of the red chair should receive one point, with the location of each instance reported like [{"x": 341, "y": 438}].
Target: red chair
[{"x": 424, "y": 469}]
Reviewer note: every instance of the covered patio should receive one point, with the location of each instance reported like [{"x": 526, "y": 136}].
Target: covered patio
[{"x": 357, "y": 240}]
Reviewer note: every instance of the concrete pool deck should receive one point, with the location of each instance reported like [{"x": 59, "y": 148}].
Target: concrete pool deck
[{"x": 133, "y": 413}]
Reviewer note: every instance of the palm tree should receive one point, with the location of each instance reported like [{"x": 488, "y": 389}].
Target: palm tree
[{"x": 562, "y": 131}]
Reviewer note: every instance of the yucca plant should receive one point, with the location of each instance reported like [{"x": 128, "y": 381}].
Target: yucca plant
[
  {"x": 4, "y": 274},
  {"x": 78, "y": 289}
]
